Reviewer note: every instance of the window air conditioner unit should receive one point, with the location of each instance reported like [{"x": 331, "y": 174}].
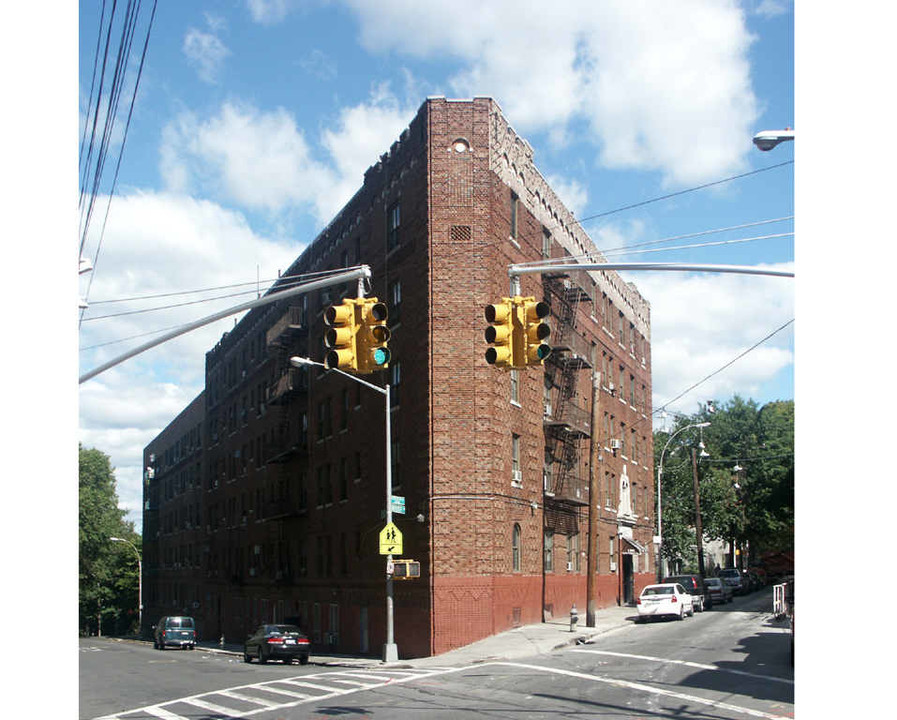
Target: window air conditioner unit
[
  {"x": 611, "y": 387},
  {"x": 569, "y": 567},
  {"x": 616, "y": 444},
  {"x": 613, "y": 565},
  {"x": 517, "y": 477}
]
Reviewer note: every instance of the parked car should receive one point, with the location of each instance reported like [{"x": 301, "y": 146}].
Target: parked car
[
  {"x": 719, "y": 591},
  {"x": 696, "y": 588},
  {"x": 177, "y": 631},
  {"x": 732, "y": 578},
  {"x": 665, "y": 599},
  {"x": 277, "y": 642}
]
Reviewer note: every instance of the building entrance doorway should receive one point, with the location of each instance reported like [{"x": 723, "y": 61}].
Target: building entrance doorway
[{"x": 628, "y": 595}]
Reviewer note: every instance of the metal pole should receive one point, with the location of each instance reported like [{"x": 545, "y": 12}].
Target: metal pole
[
  {"x": 699, "y": 531},
  {"x": 272, "y": 296},
  {"x": 390, "y": 650},
  {"x": 591, "y": 554}
]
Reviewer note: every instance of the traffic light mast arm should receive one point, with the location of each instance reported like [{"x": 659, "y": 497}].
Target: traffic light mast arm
[
  {"x": 515, "y": 271},
  {"x": 361, "y": 272}
]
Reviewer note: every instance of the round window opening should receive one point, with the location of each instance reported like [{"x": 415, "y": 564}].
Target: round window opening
[{"x": 461, "y": 145}]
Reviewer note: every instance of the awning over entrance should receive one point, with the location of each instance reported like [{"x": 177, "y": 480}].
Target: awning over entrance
[{"x": 634, "y": 547}]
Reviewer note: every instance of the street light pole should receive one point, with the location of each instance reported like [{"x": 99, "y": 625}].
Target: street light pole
[
  {"x": 390, "y": 649},
  {"x": 139, "y": 583},
  {"x": 659, "y": 567}
]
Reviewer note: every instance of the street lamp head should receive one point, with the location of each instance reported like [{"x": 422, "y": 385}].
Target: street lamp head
[
  {"x": 297, "y": 361},
  {"x": 767, "y": 139},
  {"x": 703, "y": 425},
  {"x": 117, "y": 539}
]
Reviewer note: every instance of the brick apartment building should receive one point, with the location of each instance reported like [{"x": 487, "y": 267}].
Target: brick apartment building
[{"x": 265, "y": 497}]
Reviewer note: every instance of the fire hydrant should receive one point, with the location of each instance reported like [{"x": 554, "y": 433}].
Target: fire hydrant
[{"x": 574, "y": 618}]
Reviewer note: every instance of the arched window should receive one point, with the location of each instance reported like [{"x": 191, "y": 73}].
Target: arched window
[{"x": 515, "y": 548}]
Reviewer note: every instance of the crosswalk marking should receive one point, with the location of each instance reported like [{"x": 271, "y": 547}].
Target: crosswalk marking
[
  {"x": 281, "y": 691},
  {"x": 249, "y": 698},
  {"x": 328, "y": 685},
  {"x": 214, "y": 707},
  {"x": 162, "y": 713}
]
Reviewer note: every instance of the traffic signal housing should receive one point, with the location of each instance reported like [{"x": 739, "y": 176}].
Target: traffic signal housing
[
  {"x": 406, "y": 569},
  {"x": 340, "y": 336},
  {"x": 536, "y": 330},
  {"x": 516, "y": 332},
  {"x": 356, "y": 336},
  {"x": 373, "y": 335},
  {"x": 500, "y": 333}
]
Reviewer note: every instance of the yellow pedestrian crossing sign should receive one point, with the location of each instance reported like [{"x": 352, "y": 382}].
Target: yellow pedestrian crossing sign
[{"x": 390, "y": 540}]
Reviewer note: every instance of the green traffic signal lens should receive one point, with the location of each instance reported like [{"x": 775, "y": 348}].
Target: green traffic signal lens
[{"x": 381, "y": 356}]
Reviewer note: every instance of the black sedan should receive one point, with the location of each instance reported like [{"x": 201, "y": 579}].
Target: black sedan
[{"x": 277, "y": 642}]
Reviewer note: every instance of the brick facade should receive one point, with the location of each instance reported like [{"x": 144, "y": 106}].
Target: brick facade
[{"x": 292, "y": 487}]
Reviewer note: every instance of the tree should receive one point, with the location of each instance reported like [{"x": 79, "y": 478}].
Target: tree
[
  {"x": 753, "y": 505},
  {"x": 106, "y": 575}
]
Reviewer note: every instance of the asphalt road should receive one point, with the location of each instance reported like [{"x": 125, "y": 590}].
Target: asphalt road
[{"x": 730, "y": 662}]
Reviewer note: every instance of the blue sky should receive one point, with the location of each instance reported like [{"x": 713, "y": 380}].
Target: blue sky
[{"x": 255, "y": 120}]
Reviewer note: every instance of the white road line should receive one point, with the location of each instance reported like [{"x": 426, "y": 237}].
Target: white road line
[
  {"x": 281, "y": 691},
  {"x": 162, "y": 713},
  {"x": 329, "y": 692},
  {"x": 699, "y": 666},
  {"x": 644, "y": 688},
  {"x": 325, "y": 688},
  {"x": 248, "y": 698},
  {"x": 356, "y": 683},
  {"x": 220, "y": 709}
]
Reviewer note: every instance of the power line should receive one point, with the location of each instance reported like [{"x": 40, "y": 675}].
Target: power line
[
  {"x": 683, "y": 192},
  {"x": 701, "y": 245}
]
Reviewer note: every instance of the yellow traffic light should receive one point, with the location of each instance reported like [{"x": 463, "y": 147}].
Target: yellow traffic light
[
  {"x": 536, "y": 330},
  {"x": 339, "y": 337},
  {"x": 372, "y": 337},
  {"x": 500, "y": 333}
]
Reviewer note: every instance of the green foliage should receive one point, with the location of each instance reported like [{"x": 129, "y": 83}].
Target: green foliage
[
  {"x": 755, "y": 504},
  {"x": 107, "y": 571}
]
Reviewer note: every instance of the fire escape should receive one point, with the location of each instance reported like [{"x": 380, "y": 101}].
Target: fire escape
[
  {"x": 566, "y": 423},
  {"x": 286, "y": 404}
]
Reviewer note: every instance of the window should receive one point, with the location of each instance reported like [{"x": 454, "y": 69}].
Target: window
[
  {"x": 516, "y": 474},
  {"x": 608, "y": 490},
  {"x": 395, "y": 301},
  {"x": 393, "y": 221},
  {"x": 515, "y": 387},
  {"x": 343, "y": 479},
  {"x": 395, "y": 382},
  {"x": 514, "y": 202},
  {"x": 546, "y": 243},
  {"x": 515, "y": 548},
  {"x": 344, "y": 420},
  {"x": 574, "y": 556},
  {"x": 549, "y": 550},
  {"x": 396, "y": 464}
]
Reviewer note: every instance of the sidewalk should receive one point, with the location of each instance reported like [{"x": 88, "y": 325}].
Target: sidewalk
[{"x": 536, "y": 639}]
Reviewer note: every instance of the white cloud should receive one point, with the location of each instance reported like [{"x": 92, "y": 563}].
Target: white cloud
[
  {"x": 263, "y": 161},
  {"x": 360, "y": 135},
  {"x": 258, "y": 159},
  {"x": 269, "y": 12},
  {"x": 160, "y": 243},
  {"x": 206, "y": 52},
  {"x": 657, "y": 90},
  {"x": 571, "y": 192},
  {"x": 702, "y": 322}
]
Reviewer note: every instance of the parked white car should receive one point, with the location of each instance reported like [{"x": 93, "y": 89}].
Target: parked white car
[{"x": 666, "y": 599}]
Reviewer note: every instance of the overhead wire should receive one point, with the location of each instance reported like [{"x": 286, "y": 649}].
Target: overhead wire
[{"x": 129, "y": 25}]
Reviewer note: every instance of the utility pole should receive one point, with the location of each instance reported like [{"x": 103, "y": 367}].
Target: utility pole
[
  {"x": 591, "y": 552},
  {"x": 698, "y": 529}
]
